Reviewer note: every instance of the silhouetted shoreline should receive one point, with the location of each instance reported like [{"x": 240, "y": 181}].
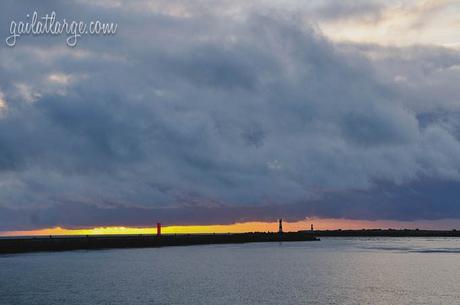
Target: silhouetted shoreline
[
  {"x": 385, "y": 233},
  {"x": 64, "y": 243},
  {"x": 92, "y": 242}
]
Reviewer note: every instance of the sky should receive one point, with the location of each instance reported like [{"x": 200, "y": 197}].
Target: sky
[{"x": 199, "y": 113}]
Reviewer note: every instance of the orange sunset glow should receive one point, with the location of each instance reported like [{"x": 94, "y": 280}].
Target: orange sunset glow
[{"x": 256, "y": 226}]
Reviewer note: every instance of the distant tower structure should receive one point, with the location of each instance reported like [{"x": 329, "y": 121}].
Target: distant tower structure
[
  {"x": 311, "y": 228},
  {"x": 158, "y": 229},
  {"x": 280, "y": 228}
]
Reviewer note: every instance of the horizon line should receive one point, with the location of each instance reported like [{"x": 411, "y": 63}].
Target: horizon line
[{"x": 242, "y": 227}]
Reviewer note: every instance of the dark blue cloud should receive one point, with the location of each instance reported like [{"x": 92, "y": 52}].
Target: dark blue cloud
[{"x": 214, "y": 118}]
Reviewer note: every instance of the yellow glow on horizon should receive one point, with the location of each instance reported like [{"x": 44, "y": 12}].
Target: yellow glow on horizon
[{"x": 319, "y": 224}]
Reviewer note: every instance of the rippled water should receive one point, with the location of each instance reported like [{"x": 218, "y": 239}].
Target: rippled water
[{"x": 333, "y": 271}]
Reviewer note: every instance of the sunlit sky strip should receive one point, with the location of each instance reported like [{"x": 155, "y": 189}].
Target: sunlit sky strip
[{"x": 319, "y": 224}]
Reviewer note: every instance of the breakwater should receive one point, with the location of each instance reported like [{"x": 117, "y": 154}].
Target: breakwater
[
  {"x": 64, "y": 243},
  {"x": 385, "y": 233}
]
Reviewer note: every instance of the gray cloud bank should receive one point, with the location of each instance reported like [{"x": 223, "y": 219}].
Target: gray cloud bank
[{"x": 200, "y": 117}]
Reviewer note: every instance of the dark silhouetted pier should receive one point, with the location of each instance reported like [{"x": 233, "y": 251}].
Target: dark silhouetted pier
[
  {"x": 385, "y": 233},
  {"x": 64, "y": 243}
]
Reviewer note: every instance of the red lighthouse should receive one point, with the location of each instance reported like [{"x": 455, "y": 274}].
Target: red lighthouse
[{"x": 158, "y": 229}]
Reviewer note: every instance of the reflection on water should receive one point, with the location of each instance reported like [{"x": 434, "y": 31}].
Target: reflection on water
[{"x": 334, "y": 271}]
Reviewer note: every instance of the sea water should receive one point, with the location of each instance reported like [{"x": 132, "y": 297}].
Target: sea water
[{"x": 370, "y": 271}]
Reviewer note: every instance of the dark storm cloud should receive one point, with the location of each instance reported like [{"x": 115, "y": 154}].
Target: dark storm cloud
[
  {"x": 427, "y": 200},
  {"x": 210, "y": 117}
]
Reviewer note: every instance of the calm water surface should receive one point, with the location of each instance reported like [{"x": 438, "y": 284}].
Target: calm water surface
[{"x": 333, "y": 271}]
